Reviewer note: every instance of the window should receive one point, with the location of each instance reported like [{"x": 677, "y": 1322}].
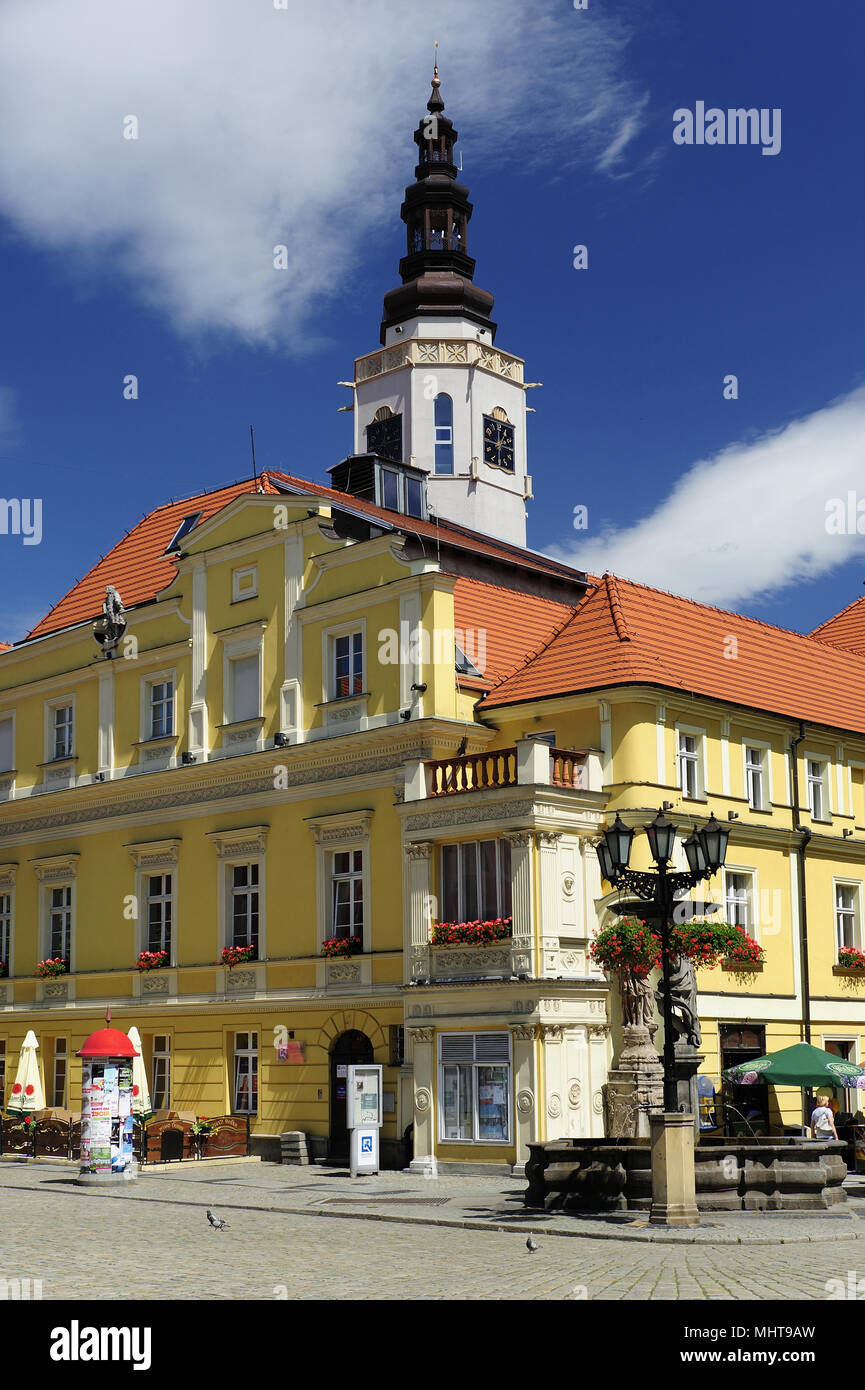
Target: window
[
  {"x": 61, "y": 1059},
  {"x": 689, "y": 764},
  {"x": 817, "y": 800},
  {"x": 244, "y": 905},
  {"x": 159, "y": 907},
  {"x": 413, "y": 497},
  {"x": 754, "y": 778},
  {"x": 5, "y": 933},
  {"x": 7, "y": 745},
  {"x": 246, "y": 1073},
  {"x": 846, "y": 914},
  {"x": 245, "y": 699},
  {"x": 399, "y": 490},
  {"x": 740, "y": 900},
  {"x": 347, "y": 890},
  {"x": 60, "y": 922},
  {"x": 183, "y": 530},
  {"x": 390, "y": 489},
  {"x": 161, "y": 1072},
  {"x": 244, "y": 583},
  {"x": 161, "y": 709},
  {"x": 62, "y": 726},
  {"x": 476, "y": 881},
  {"x": 444, "y": 434},
  {"x": 2, "y": 1073},
  {"x": 475, "y": 1087},
  {"x": 347, "y": 665}
]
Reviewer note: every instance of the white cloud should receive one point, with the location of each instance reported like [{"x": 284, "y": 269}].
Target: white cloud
[
  {"x": 261, "y": 126},
  {"x": 750, "y": 520}
]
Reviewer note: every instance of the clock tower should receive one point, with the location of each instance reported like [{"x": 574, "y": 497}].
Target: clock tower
[{"x": 438, "y": 396}]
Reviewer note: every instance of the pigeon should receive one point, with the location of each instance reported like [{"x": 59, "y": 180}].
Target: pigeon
[
  {"x": 531, "y": 1245},
  {"x": 216, "y": 1221}
]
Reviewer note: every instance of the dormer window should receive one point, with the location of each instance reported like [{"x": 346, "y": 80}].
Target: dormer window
[
  {"x": 400, "y": 490},
  {"x": 183, "y": 530}
]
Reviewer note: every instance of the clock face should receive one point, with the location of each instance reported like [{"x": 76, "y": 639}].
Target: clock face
[
  {"x": 498, "y": 443},
  {"x": 384, "y": 437}
]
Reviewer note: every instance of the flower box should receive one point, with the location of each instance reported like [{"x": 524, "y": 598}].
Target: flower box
[
  {"x": 238, "y": 955},
  {"x": 848, "y": 972},
  {"x": 743, "y": 966},
  {"x": 852, "y": 960},
  {"x": 341, "y": 946},
  {"x": 477, "y": 933},
  {"x": 47, "y": 969},
  {"x": 152, "y": 960}
]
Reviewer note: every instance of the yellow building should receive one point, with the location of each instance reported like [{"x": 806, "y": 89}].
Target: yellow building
[{"x": 281, "y": 721}]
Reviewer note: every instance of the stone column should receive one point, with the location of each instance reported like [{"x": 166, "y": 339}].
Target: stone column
[
  {"x": 548, "y": 855},
  {"x": 555, "y": 1080},
  {"x": 674, "y": 1200},
  {"x": 525, "y": 1090},
  {"x": 523, "y": 944},
  {"x": 421, "y": 911},
  {"x": 422, "y": 1042}
]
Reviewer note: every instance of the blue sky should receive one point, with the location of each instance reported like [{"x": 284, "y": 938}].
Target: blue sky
[{"x": 258, "y": 126}]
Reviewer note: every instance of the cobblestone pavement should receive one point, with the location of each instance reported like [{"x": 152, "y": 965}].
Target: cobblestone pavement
[{"x": 151, "y": 1240}]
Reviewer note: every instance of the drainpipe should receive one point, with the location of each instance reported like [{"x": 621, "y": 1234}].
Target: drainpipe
[{"x": 801, "y": 849}]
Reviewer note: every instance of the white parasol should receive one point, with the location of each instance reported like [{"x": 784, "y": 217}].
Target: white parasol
[
  {"x": 27, "y": 1095},
  {"x": 141, "y": 1108}
]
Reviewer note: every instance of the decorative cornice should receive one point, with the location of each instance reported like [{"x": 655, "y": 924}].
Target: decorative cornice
[
  {"x": 7, "y": 875},
  {"x": 419, "y": 849},
  {"x": 421, "y": 1035},
  {"x": 56, "y": 867},
  {"x": 333, "y": 829},
  {"x": 233, "y": 844},
  {"x": 154, "y": 854}
]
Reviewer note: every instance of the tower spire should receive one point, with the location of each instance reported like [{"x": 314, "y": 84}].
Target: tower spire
[{"x": 437, "y": 272}]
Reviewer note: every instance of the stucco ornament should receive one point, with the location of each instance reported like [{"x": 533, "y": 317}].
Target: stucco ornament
[
  {"x": 108, "y": 630},
  {"x": 683, "y": 992},
  {"x": 525, "y": 1102},
  {"x": 638, "y": 1000},
  {"x": 422, "y": 1099}
]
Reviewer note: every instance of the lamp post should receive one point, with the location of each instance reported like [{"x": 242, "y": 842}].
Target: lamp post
[{"x": 705, "y": 850}]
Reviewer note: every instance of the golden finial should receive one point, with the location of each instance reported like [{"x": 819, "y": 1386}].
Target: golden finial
[{"x": 436, "y": 79}]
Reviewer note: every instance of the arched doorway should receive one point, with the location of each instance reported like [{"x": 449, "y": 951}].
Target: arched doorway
[{"x": 349, "y": 1049}]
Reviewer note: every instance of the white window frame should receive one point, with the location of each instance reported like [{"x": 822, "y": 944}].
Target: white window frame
[
  {"x": 509, "y": 1088},
  {"x": 352, "y": 877},
  {"x": 460, "y": 846},
  {"x": 765, "y": 750},
  {"x": 254, "y": 867},
  {"x": 68, "y": 886},
  {"x": 236, "y": 848},
  {"x": 249, "y": 1052},
  {"x": 7, "y": 890},
  {"x": 330, "y": 636},
  {"x": 60, "y": 702},
  {"x": 238, "y": 593},
  {"x": 334, "y": 834},
  {"x": 148, "y": 683},
  {"x": 61, "y": 1056},
  {"x": 856, "y": 886},
  {"x": 162, "y": 871},
  {"x": 9, "y": 715},
  {"x": 824, "y": 783},
  {"x": 753, "y": 898},
  {"x": 152, "y": 857},
  {"x": 161, "y": 1062},
  {"x": 235, "y": 649},
  {"x": 699, "y": 760},
  {"x": 57, "y": 871}
]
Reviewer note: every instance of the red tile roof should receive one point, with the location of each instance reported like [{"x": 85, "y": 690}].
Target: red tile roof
[
  {"x": 846, "y": 629},
  {"x": 625, "y": 633},
  {"x": 139, "y": 569},
  {"x": 136, "y": 565},
  {"x": 507, "y": 628}
]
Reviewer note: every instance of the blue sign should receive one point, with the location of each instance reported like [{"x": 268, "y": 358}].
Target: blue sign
[{"x": 366, "y": 1143}]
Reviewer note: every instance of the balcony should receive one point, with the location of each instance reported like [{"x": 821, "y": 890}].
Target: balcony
[{"x": 527, "y": 763}]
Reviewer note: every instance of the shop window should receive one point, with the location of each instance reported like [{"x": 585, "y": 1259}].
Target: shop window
[{"x": 475, "y": 1088}]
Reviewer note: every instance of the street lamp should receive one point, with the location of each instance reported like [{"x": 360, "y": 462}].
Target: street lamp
[{"x": 705, "y": 851}]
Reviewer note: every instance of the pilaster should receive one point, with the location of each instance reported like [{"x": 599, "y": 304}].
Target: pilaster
[
  {"x": 523, "y": 943},
  {"x": 422, "y": 1042}
]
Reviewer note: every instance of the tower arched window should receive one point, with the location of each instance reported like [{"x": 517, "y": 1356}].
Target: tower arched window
[{"x": 444, "y": 434}]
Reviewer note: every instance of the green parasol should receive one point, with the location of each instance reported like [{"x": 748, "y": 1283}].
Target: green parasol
[{"x": 799, "y": 1065}]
